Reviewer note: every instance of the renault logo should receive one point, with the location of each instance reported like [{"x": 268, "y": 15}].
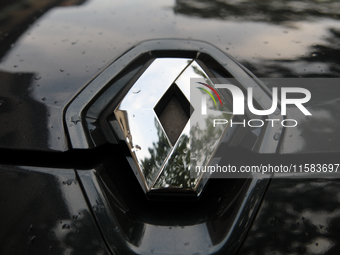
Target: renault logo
[
  {"x": 171, "y": 103},
  {"x": 160, "y": 125}
]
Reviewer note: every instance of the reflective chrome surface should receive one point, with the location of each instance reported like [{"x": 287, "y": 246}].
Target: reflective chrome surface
[
  {"x": 160, "y": 163},
  {"x": 141, "y": 128}
]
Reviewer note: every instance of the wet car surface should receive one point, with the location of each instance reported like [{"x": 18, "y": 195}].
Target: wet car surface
[{"x": 51, "y": 50}]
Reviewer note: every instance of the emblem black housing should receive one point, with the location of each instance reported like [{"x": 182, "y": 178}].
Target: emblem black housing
[{"x": 90, "y": 122}]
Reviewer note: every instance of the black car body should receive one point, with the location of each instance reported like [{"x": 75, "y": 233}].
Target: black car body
[{"x": 60, "y": 198}]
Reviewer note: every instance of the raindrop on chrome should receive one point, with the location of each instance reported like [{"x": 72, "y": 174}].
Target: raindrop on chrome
[{"x": 277, "y": 136}]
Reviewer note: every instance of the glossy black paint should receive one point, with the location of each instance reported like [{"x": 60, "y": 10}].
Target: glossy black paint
[
  {"x": 43, "y": 211},
  {"x": 297, "y": 217},
  {"x": 51, "y": 55},
  {"x": 66, "y": 47}
]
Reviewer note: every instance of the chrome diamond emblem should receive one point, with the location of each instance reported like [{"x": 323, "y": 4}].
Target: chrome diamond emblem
[{"x": 154, "y": 121}]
